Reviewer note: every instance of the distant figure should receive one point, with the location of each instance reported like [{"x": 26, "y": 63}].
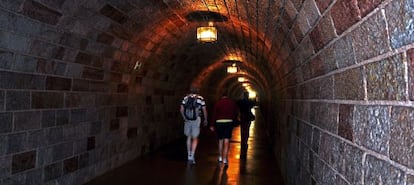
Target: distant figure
[
  {"x": 191, "y": 106},
  {"x": 224, "y": 113},
  {"x": 246, "y": 117}
]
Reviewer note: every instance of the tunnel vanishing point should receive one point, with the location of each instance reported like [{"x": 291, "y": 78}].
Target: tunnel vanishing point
[{"x": 88, "y": 85}]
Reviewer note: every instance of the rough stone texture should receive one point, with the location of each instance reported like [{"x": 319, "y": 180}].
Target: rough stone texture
[
  {"x": 323, "y": 4},
  {"x": 62, "y": 117},
  {"x": 52, "y": 171},
  {"x": 353, "y": 166},
  {"x": 372, "y": 127},
  {"x": 56, "y": 83},
  {"x": 344, "y": 14},
  {"x": 402, "y": 137},
  {"x": 345, "y": 125},
  {"x": 379, "y": 171},
  {"x": 23, "y": 161},
  {"x": 410, "y": 56},
  {"x": 17, "y": 100},
  {"x": 5, "y": 164},
  {"x": 43, "y": 100},
  {"x": 371, "y": 38},
  {"x": 331, "y": 151},
  {"x": 10, "y": 80},
  {"x": 70, "y": 165},
  {"x": 27, "y": 120},
  {"x": 384, "y": 79},
  {"x": 13, "y": 42},
  {"x": 17, "y": 142},
  {"x": 323, "y": 32},
  {"x": 325, "y": 116},
  {"x": 6, "y": 59},
  {"x": 349, "y": 85},
  {"x": 400, "y": 20},
  {"x": 40, "y": 12},
  {"x": 344, "y": 52},
  {"x": 6, "y": 123}
]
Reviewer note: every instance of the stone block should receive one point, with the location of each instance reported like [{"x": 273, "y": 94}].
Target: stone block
[
  {"x": 400, "y": 22},
  {"x": 114, "y": 124},
  {"x": 331, "y": 151},
  {"x": 17, "y": 179},
  {"x": 36, "y": 139},
  {"x": 62, "y": 117},
  {"x": 316, "y": 137},
  {"x": 370, "y": 39},
  {"x": 402, "y": 124},
  {"x": 372, "y": 127},
  {"x": 57, "y": 83},
  {"x": 27, "y": 120},
  {"x": 54, "y": 135},
  {"x": 386, "y": 79},
  {"x": 6, "y": 59},
  {"x": 80, "y": 85},
  {"x": 90, "y": 143},
  {"x": 47, "y": 100},
  {"x": 83, "y": 160},
  {"x": 352, "y": 164},
  {"x": 410, "y": 56},
  {"x": 11, "y": 4},
  {"x": 70, "y": 165},
  {"x": 48, "y": 119},
  {"x": 52, "y": 171},
  {"x": 92, "y": 73},
  {"x": 50, "y": 67},
  {"x": 105, "y": 38},
  {"x": 132, "y": 133},
  {"x": 13, "y": 42},
  {"x": 377, "y": 170},
  {"x": 6, "y": 123},
  {"x": 349, "y": 85},
  {"x": 34, "y": 177},
  {"x": 5, "y": 166},
  {"x": 78, "y": 116},
  {"x": 3, "y": 144},
  {"x": 9, "y": 80},
  {"x": 40, "y": 12},
  {"x": 325, "y": 116},
  {"x": 17, "y": 142},
  {"x": 23, "y": 161},
  {"x": 79, "y": 100},
  {"x": 345, "y": 13},
  {"x": 323, "y": 32},
  {"x": 344, "y": 52},
  {"x": 62, "y": 151},
  {"x": 17, "y": 100},
  {"x": 113, "y": 14},
  {"x": 43, "y": 49},
  {"x": 121, "y": 111},
  {"x": 323, "y": 5},
  {"x": 346, "y": 122}
]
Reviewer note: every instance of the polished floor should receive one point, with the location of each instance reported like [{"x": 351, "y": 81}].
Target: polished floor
[{"x": 169, "y": 165}]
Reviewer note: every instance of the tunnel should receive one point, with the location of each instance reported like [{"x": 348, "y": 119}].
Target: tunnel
[{"x": 88, "y": 85}]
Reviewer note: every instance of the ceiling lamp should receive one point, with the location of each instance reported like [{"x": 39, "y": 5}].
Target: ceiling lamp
[
  {"x": 232, "y": 68},
  {"x": 241, "y": 79},
  {"x": 207, "y": 33}
]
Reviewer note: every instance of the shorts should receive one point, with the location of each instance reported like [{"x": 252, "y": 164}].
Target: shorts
[
  {"x": 192, "y": 127},
  {"x": 224, "y": 130}
]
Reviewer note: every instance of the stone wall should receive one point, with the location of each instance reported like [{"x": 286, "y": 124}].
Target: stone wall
[
  {"x": 71, "y": 104},
  {"x": 345, "y": 114}
]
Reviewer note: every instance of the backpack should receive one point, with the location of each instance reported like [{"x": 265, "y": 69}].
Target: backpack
[{"x": 190, "y": 108}]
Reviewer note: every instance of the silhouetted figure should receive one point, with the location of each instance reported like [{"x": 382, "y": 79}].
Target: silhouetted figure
[
  {"x": 191, "y": 106},
  {"x": 246, "y": 117},
  {"x": 223, "y": 115}
]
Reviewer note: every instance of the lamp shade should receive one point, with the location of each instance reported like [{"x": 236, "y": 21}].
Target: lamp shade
[{"x": 207, "y": 33}]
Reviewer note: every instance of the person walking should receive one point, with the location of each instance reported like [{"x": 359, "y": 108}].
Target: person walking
[
  {"x": 223, "y": 115},
  {"x": 191, "y": 106},
  {"x": 246, "y": 117}
]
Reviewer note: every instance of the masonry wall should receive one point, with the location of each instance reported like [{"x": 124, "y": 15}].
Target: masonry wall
[
  {"x": 71, "y": 105},
  {"x": 345, "y": 112}
]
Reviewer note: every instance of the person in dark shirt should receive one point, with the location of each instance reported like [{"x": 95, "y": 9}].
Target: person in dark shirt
[
  {"x": 224, "y": 113},
  {"x": 246, "y": 116}
]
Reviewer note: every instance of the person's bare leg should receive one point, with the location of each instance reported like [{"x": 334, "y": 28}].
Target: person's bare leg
[
  {"x": 189, "y": 147},
  {"x": 226, "y": 146},
  {"x": 220, "y": 147},
  {"x": 194, "y": 146}
]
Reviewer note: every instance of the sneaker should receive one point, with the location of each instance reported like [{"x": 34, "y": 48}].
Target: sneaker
[
  {"x": 220, "y": 159},
  {"x": 190, "y": 157},
  {"x": 225, "y": 162},
  {"x": 193, "y": 161}
]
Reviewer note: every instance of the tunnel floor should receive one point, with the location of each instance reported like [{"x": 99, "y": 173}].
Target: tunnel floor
[{"x": 169, "y": 165}]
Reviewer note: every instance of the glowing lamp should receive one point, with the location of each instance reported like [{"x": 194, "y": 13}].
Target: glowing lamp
[
  {"x": 207, "y": 33},
  {"x": 232, "y": 68}
]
